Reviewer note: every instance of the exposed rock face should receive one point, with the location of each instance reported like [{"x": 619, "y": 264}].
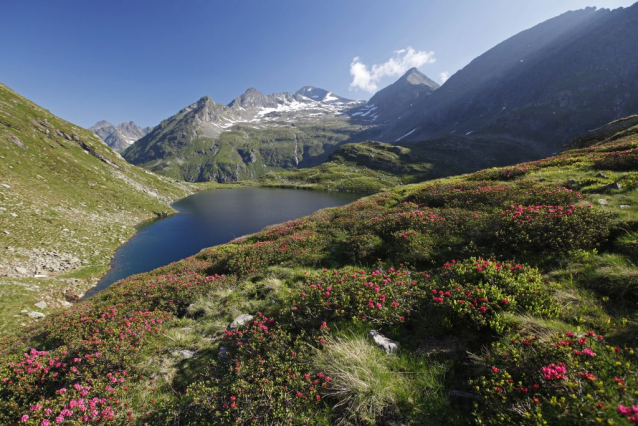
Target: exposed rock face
[{"x": 121, "y": 136}]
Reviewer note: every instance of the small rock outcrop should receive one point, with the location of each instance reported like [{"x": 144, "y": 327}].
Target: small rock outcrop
[
  {"x": 389, "y": 345},
  {"x": 240, "y": 321}
]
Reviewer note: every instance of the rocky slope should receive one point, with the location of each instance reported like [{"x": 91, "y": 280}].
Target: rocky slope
[
  {"x": 254, "y": 134},
  {"x": 121, "y": 136},
  {"x": 66, "y": 202},
  {"x": 545, "y": 85},
  {"x": 504, "y": 297}
]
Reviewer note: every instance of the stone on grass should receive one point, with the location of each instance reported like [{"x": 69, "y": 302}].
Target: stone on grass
[
  {"x": 36, "y": 315},
  {"x": 240, "y": 321},
  {"x": 41, "y": 305},
  {"x": 184, "y": 353},
  {"x": 389, "y": 345}
]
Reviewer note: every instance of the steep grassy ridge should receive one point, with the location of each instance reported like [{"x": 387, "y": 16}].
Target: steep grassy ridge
[
  {"x": 511, "y": 293},
  {"x": 66, "y": 202}
]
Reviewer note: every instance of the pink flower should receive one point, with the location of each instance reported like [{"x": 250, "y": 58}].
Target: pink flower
[
  {"x": 24, "y": 418},
  {"x": 554, "y": 372}
]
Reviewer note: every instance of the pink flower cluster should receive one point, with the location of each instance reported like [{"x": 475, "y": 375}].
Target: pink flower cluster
[
  {"x": 554, "y": 372},
  {"x": 630, "y": 413}
]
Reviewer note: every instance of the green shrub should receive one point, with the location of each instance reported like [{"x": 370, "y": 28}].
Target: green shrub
[
  {"x": 565, "y": 379},
  {"x": 550, "y": 229},
  {"x": 266, "y": 378},
  {"x": 476, "y": 292}
]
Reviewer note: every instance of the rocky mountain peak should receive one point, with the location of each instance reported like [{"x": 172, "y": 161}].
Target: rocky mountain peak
[
  {"x": 100, "y": 124},
  {"x": 251, "y": 98},
  {"x": 415, "y": 77},
  {"x": 320, "y": 95},
  {"x": 121, "y": 136}
]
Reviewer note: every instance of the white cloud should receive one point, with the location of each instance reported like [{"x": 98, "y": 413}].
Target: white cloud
[
  {"x": 366, "y": 78},
  {"x": 444, "y": 76}
]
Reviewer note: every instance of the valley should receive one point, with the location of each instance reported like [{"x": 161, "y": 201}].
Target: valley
[{"x": 450, "y": 252}]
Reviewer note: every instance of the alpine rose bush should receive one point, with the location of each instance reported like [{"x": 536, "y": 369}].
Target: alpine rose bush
[
  {"x": 562, "y": 379},
  {"x": 476, "y": 292}
]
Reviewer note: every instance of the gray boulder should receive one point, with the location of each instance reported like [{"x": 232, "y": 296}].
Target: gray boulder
[
  {"x": 240, "y": 321},
  {"x": 389, "y": 345}
]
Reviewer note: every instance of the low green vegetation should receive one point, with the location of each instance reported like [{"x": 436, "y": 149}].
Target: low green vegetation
[
  {"x": 510, "y": 292},
  {"x": 370, "y": 167},
  {"x": 66, "y": 203}
]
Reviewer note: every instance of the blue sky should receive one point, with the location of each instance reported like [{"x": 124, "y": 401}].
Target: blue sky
[{"x": 143, "y": 60}]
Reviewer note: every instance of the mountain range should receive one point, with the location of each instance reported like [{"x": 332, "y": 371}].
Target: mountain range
[
  {"x": 253, "y": 134},
  {"x": 121, "y": 136},
  {"x": 521, "y": 100}
]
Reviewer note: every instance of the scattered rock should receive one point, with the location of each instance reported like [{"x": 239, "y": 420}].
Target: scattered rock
[
  {"x": 5, "y": 185},
  {"x": 70, "y": 295},
  {"x": 624, "y": 206},
  {"x": 612, "y": 186},
  {"x": 22, "y": 271},
  {"x": 14, "y": 214},
  {"x": 240, "y": 321},
  {"x": 35, "y": 315},
  {"x": 601, "y": 175},
  {"x": 389, "y": 345},
  {"x": 16, "y": 141},
  {"x": 184, "y": 353},
  {"x": 6, "y": 232},
  {"x": 602, "y": 202},
  {"x": 41, "y": 305}
]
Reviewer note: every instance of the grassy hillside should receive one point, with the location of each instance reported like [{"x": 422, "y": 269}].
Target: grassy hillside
[
  {"x": 370, "y": 167},
  {"x": 66, "y": 202},
  {"x": 511, "y": 293}
]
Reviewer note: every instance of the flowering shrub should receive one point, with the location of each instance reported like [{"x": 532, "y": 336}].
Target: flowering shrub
[
  {"x": 466, "y": 195},
  {"x": 380, "y": 297},
  {"x": 555, "y": 229},
  {"x": 476, "y": 292},
  {"x": 266, "y": 378},
  {"x": 83, "y": 380},
  {"x": 502, "y": 173},
  {"x": 617, "y": 160},
  {"x": 563, "y": 379}
]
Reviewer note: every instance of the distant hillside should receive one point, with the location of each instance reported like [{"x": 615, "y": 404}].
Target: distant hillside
[
  {"x": 66, "y": 202},
  {"x": 121, "y": 136},
  {"x": 369, "y": 167},
  {"x": 254, "y": 134},
  {"x": 545, "y": 85}
]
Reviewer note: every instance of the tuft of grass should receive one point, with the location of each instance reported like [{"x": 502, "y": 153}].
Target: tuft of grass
[{"x": 368, "y": 385}]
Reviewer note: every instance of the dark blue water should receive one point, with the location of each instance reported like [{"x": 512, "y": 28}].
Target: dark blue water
[{"x": 209, "y": 218}]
